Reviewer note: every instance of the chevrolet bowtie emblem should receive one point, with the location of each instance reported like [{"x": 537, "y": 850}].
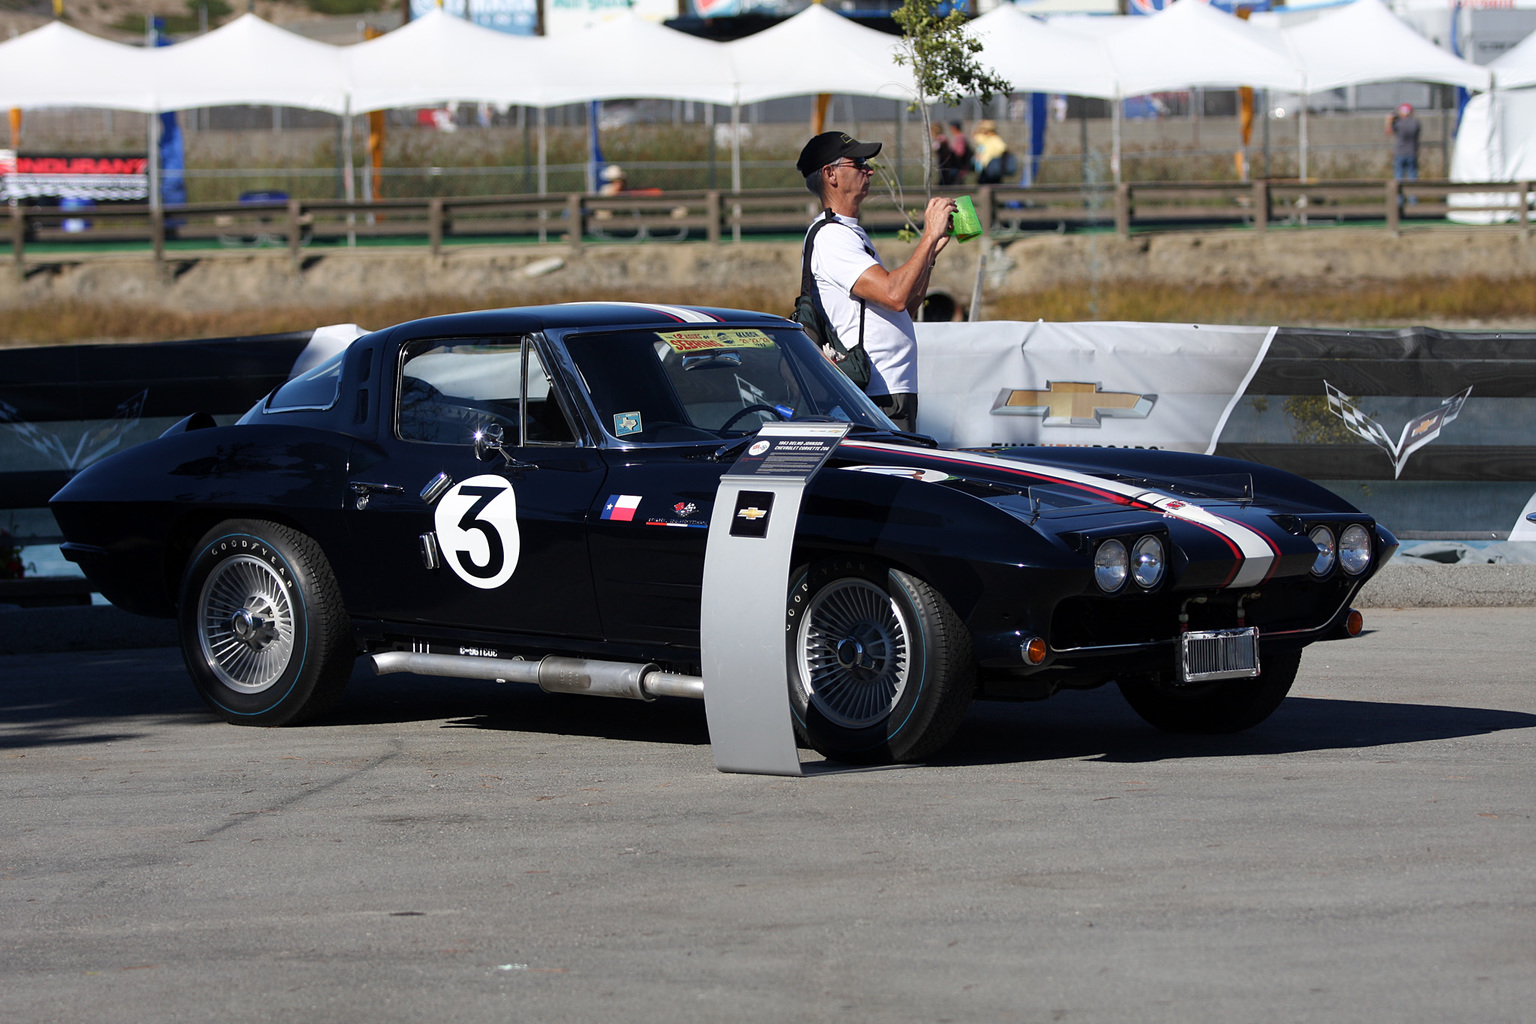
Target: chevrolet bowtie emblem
[
  {"x": 1070, "y": 403},
  {"x": 751, "y": 513}
]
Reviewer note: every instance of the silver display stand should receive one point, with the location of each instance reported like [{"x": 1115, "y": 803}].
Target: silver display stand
[{"x": 746, "y": 583}]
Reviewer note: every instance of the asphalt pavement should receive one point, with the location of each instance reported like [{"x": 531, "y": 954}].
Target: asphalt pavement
[{"x": 458, "y": 851}]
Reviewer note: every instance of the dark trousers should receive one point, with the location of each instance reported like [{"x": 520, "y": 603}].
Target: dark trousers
[{"x": 902, "y": 410}]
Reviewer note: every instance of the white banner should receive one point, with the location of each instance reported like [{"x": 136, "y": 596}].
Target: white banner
[{"x": 1125, "y": 385}]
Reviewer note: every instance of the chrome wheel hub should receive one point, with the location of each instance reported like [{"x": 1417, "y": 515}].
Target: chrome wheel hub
[
  {"x": 853, "y": 653},
  {"x": 246, "y": 624}
]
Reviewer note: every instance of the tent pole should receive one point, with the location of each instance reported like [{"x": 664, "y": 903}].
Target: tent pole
[
  {"x": 154, "y": 159},
  {"x": 543, "y": 172},
  {"x": 1114, "y": 125},
  {"x": 349, "y": 187},
  {"x": 736, "y": 168},
  {"x": 1303, "y": 156}
]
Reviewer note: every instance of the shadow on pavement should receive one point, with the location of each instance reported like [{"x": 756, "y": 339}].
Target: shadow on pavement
[
  {"x": 1099, "y": 724},
  {"x": 117, "y": 695}
]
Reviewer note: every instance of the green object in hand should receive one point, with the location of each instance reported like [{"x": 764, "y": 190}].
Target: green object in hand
[{"x": 964, "y": 222}]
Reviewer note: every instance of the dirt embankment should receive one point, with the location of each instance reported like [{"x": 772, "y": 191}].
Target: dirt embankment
[{"x": 255, "y": 290}]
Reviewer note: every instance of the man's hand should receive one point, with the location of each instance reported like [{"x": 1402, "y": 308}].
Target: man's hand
[{"x": 936, "y": 219}]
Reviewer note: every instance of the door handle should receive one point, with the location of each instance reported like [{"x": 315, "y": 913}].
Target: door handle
[{"x": 366, "y": 489}]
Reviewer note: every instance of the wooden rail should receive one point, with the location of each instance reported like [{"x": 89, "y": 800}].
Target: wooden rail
[{"x": 713, "y": 216}]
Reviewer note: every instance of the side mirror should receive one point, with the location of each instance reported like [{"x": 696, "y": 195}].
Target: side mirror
[{"x": 489, "y": 442}]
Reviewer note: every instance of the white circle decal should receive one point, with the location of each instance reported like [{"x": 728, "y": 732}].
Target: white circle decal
[
  {"x": 758, "y": 448},
  {"x": 477, "y": 530}
]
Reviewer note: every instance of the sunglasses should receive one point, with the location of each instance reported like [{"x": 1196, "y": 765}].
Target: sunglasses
[{"x": 858, "y": 165}]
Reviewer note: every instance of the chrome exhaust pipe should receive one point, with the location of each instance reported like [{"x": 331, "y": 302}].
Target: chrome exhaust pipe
[{"x": 552, "y": 674}]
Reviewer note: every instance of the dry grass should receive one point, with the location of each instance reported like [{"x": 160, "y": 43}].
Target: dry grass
[
  {"x": 1396, "y": 303},
  {"x": 70, "y": 322},
  {"x": 1456, "y": 301}
]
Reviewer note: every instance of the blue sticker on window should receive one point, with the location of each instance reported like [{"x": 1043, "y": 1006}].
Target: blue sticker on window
[{"x": 626, "y": 423}]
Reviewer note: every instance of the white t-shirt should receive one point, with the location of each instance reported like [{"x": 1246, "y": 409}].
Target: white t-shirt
[{"x": 840, "y": 254}]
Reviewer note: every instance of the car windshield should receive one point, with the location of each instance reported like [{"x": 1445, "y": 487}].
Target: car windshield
[{"x": 669, "y": 385}]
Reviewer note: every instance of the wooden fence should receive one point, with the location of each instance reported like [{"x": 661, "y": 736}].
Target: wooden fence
[{"x": 713, "y": 216}]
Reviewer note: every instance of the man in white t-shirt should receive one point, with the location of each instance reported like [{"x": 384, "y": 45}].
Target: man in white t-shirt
[{"x": 859, "y": 296}]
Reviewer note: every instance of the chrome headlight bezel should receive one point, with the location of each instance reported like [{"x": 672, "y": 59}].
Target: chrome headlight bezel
[
  {"x": 1355, "y": 549},
  {"x": 1148, "y": 561},
  {"x": 1111, "y": 565},
  {"x": 1327, "y": 550}
]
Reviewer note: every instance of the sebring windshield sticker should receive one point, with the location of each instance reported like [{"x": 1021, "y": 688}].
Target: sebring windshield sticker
[
  {"x": 1255, "y": 555},
  {"x": 700, "y": 340}
]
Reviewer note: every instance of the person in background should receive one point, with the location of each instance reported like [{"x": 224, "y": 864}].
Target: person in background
[
  {"x": 956, "y": 153},
  {"x": 991, "y": 155},
  {"x": 865, "y": 303},
  {"x": 943, "y": 156},
  {"x": 1403, "y": 130},
  {"x": 614, "y": 181}
]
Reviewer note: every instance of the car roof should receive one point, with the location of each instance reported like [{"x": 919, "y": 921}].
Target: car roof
[{"x": 527, "y": 319}]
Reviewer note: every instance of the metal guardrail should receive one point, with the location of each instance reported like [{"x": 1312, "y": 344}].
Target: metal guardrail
[{"x": 575, "y": 219}]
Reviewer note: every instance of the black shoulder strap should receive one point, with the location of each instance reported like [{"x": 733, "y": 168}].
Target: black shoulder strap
[{"x": 807, "y": 284}]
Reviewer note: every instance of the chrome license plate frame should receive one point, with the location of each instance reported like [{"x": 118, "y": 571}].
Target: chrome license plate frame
[{"x": 1210, "y": 654}]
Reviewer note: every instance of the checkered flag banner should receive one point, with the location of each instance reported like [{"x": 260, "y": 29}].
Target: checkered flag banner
[{"x": 1417, "y": 432}]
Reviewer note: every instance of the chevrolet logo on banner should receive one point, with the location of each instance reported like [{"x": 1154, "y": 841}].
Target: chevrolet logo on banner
[{"x": 1070, "y": 403}]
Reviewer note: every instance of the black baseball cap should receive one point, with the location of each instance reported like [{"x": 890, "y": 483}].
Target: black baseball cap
[{"x": 830, "y": 146}]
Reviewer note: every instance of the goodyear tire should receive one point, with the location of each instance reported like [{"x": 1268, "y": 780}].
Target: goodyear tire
[
  {"x": 263, "y": 630},
  {"x": 880, "y": 666},
  {"x": 1222, "y": 706}
]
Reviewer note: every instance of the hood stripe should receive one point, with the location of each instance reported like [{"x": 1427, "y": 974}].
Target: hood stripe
[{"x": 1255, "y": 554}]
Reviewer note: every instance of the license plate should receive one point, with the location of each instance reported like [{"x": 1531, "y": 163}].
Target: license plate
[{"x": 1219, "y": 654}]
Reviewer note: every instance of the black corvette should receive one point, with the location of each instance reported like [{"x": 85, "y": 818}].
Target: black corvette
[{"x": 526, "y": 494}]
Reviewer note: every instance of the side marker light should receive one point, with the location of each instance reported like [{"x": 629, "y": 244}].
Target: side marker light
[
  {"x": 1034, "y": 650},
  {"x": 1354, "y": 622}
]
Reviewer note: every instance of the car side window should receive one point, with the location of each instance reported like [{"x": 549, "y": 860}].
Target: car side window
[
  {"x": 544, "y": 421},
  {"x": 450, "y": 388},
  {"x": 314, "y": 389}
]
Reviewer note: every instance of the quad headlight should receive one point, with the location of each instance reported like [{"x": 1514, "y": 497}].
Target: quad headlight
[
  {"x": 1147, "y": 561},
  {"x": 1111, "y": 564},
  {"x": 1354, "y": 549},
  {"x": 1326, "y": 552}
]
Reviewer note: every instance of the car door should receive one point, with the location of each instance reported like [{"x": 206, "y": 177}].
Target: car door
[{"x": 470, "y": 510}]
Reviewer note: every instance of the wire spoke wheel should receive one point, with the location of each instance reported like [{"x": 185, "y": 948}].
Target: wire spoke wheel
[
  {"x": 246, "y": 624},
  {"x": 880, "y": 666},
  {"x": 264, "y": 632},
  {"x": 853, "y": 650}
]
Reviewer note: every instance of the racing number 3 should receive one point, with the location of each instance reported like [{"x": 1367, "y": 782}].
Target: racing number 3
[{"x": 477, "y": 528}]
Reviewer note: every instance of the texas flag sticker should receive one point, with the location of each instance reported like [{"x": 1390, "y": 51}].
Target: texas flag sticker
[{"x": 621, "y": 507}]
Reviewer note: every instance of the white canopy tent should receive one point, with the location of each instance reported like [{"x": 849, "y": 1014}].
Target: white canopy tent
[
  {"x": 629, "y": 57},
  {"x": 448, "y": 59},
  {"x": 1364, "y": 42},
  {"x": 249, "y": 61},
  {"x": 818, "y": 51},
  {"x": 1517, "y": 68},
  {"x": 1037, "y": 57},
  {"x": 1193, "y": 45},
  {"x": 101, "y": 73},
  {"x": 1496, "y": 142}
]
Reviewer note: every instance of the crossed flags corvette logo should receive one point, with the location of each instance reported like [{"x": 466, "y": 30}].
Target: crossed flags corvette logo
[
  {"x": 1072, "y": 403},
  {"x": 1417, "y": 432}
]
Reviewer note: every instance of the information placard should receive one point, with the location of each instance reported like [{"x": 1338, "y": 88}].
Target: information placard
[{"x": 746, "y": 584}]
